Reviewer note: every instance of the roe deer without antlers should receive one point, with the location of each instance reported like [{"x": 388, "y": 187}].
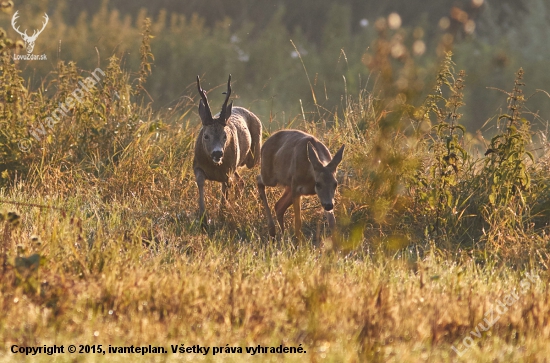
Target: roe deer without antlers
[
  {"x": 228, "y": 140},
  {"x": 304, "y": 166}
]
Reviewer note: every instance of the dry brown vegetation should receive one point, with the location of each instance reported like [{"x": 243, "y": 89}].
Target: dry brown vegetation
[{"x": 101, "y": 243}]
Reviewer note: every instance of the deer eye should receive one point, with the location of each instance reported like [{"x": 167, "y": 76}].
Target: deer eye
[
  {"x": 206, "y": 137},
  {"x": 317, "y": 185}
]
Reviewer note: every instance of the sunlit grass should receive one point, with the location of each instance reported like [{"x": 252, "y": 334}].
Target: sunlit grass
[
  {"x": 101, "y": 243},
  {"x": 103, "y": 281}
]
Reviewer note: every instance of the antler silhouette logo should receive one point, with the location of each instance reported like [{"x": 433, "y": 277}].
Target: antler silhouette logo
[{"x": 29, "y": 40}]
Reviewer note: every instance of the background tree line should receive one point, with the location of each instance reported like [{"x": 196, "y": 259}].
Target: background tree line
[{"x": 336, "y": 41}]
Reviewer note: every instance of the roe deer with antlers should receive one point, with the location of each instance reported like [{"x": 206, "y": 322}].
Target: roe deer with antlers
[
  {"x": 228, "y": 140},
  {"x": 304, "y": 166}
]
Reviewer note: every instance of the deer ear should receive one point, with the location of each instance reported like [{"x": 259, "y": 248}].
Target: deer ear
[
  {"x": 205, "y": 117},
  {"x": 336, "y": 159},
  {"x": 313, "y": 157}
]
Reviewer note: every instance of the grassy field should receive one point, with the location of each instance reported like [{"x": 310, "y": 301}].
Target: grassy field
[
  {"x": 440, "y": 255},
  {"x": 100, "y": 281}
]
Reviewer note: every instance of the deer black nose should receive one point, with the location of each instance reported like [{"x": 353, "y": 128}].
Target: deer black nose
[
  {"x": 328, "y": 206},
  {"x": 218, "y": 154}
]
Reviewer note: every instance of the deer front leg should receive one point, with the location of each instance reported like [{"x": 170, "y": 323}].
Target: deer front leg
[
  {"x": 281, "y": 206},
  {"x": 263, "y": 198},
  {"x": 225, "y": 194},
  {"x": 239, "y": 187},
  {"x": 297, "y": 218},
  {"x": 200, "y": 178}
]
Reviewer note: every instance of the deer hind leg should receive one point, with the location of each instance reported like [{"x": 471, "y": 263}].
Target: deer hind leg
[
  {"x": 200, "y": 178},
  {"x": 282, "y": 205},
  {"x": 297, "y": 217},
  {"x": 263, "y": 198}
]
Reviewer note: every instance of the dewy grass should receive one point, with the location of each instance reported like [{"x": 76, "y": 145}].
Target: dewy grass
[
  {"x": 149, "y": 284},
  {"x": 101, "y": 247}
]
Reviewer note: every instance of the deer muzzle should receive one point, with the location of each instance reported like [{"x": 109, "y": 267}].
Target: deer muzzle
[
  {"x": 328, "y": 206},
  {"x": 217, "y": 156}
]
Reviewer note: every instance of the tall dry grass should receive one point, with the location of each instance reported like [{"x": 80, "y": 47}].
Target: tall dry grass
[{"x": 101, "y": 243}]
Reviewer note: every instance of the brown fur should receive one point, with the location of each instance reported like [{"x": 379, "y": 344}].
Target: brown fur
[
  {"x": 304, "y": 166},
  {"x": 243, "y": 132},
  {"x": 244, "y": 140}
]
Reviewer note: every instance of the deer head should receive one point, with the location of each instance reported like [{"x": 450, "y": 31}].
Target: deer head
[
  {"x": 215, "y": 131},
  {"x": 325, "y": 176},
  {"x": 29, "y": 40}
]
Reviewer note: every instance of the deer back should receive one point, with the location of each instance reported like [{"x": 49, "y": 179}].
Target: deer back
[
  {"x": 249, "y": 131},
  {"x": 284, "y": 158}
]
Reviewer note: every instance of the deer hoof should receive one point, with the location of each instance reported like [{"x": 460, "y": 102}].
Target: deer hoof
[{"x": 271, "y": 227}]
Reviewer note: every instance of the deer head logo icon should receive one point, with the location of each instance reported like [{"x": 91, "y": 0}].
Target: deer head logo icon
[{"x": 29, "y": 40}]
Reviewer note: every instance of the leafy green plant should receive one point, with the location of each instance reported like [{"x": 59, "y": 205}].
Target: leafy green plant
[
  {"x": 13, "y": 95},
  {"x": 507, "y": 156},
  {"x": 507, "y": 173},
  {"x": 439, "y": 193},
  {"x": 145, "y": 53}
]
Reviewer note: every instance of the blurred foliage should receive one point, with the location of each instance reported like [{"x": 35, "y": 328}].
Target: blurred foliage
[
  {"x": 251, "y": 40},
  {"x": 312, "y": 16}
]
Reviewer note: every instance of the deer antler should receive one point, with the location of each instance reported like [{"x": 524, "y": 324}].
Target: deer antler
[
  {"x": 204, "y": 99},
  {"x": 36, "y": 33},
  {"x": 228, "y": 93},
  {"x": 223, "y": 115},
  {"x": 13, "y": 19}
]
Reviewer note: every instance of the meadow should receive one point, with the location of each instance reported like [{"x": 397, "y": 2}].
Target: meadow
[{"x": 441, "y": 250}]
